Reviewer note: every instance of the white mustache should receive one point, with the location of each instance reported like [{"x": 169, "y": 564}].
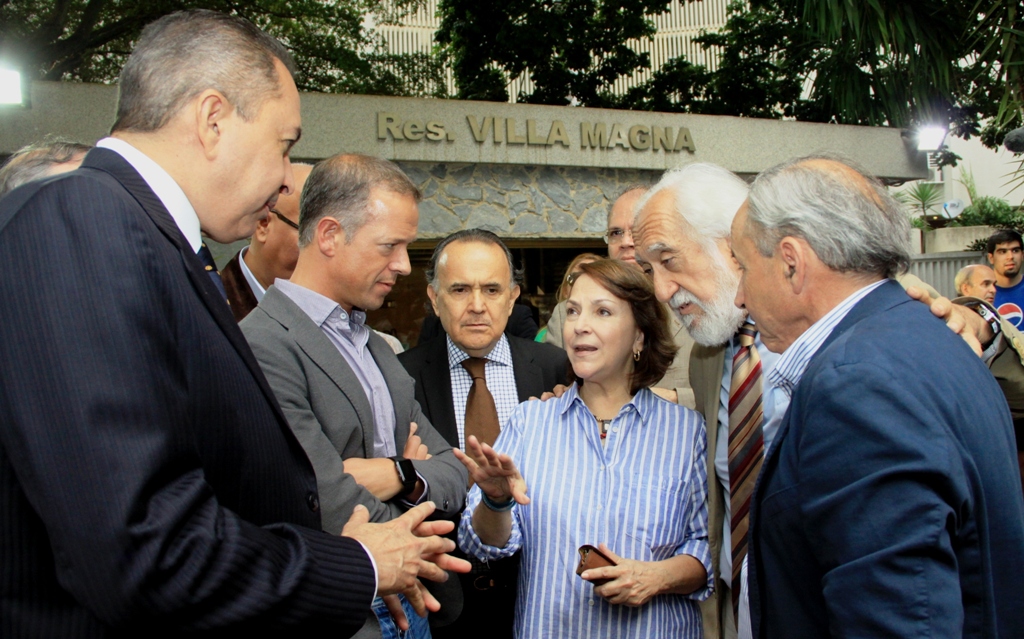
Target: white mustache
[{"x": 683, "y": 297}]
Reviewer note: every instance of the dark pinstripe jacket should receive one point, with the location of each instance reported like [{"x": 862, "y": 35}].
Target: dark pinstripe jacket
[{"x": 148, "y": 480}]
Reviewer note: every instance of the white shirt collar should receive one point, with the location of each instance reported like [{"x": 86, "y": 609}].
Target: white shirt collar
[
  {"x": 501, "y": 353},
  {"x": 254, "y": 284},
  {"x": 170, "y": 194}
]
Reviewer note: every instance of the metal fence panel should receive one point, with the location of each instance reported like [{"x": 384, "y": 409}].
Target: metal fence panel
[{"x": 939, "y": 269}]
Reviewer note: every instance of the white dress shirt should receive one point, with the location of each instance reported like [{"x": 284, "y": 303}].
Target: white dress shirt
[{"x": 170, "y": 194}]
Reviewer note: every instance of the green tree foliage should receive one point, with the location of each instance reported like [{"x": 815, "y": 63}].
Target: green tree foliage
[
  {"x": 988, "y": 211},
  {"x": 897, "y": 63},
  {"x": 876, "y": 62},
  {"x": 89, "y": 40},
  {"x": 760, "y": 71},
  {"x": 572, "y": 50}
]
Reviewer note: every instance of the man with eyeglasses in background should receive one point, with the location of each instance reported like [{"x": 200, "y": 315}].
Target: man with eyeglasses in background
[
  {"x": 675, "y": 385},
  {"x": 272, "y": 252}
]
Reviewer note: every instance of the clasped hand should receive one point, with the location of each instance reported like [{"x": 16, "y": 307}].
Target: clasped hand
[{"x": 406, "y": 549}]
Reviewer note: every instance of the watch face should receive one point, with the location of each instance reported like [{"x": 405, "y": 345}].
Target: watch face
[{"x": 406, "y": 474}]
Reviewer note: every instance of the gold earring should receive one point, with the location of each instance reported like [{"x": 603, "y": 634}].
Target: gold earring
[{"x": 636, "y": 356}]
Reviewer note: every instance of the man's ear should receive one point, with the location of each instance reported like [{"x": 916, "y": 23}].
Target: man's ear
[
  {"x": 262, "y": 231},
  {"x": 792, "y": 255},
  {"x": 212, "y": 109},
  {"x": 432, "y": 294},
  {"x": 329, "y": 236},
  {"x": 512, "y": 298}
]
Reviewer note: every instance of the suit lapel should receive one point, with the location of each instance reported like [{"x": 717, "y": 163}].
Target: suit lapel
[
  {"x": 436, "y": 379},
  {"x": 319, "y": 348},
  {"x": 529, "y": 377},
  {"x": 112, "y": 163}
]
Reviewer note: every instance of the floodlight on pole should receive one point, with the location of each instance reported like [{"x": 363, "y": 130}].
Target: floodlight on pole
[
  {"x": 10, "y": 87},
  {"x": 930, "y": 138}
]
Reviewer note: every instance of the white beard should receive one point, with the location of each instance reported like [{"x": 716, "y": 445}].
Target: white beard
[{"x": 719, "y": 318}]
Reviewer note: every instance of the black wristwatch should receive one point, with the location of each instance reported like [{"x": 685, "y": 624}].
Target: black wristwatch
[
  {"x": 982, "y": 309},
  {"x": 406, "y": 474}
]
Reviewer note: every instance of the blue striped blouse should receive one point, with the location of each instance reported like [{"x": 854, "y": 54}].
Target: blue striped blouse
[{"x": 644, "y": 494}]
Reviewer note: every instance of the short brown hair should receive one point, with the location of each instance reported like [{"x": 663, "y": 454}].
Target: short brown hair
[
  {"x": 340, "y": 187},
  {"x": 629, "y": 284}
]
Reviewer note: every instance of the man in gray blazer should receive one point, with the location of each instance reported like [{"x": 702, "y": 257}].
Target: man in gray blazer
[{"x": 348, "y": 400}]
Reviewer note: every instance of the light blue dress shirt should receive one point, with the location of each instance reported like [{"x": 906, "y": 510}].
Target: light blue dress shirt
[
  {"x": 350, "y": 335},
  {"x": 644, "y": 493}
]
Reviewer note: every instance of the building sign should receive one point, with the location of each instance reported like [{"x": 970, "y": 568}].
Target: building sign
[{"x": 509, "y": 131}]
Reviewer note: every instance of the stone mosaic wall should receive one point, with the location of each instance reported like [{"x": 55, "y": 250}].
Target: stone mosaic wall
[{"x": 519, "y": 201}]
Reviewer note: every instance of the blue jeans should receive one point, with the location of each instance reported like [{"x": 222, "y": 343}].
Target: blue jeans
[{"x": 418, "y": 626}]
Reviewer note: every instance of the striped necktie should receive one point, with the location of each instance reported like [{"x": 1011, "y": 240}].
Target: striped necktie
[{"x": 746, "y": 444}]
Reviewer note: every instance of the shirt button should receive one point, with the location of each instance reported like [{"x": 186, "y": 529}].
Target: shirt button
[
  {"x": 313, "y": 502},
  {"x": 599, "y": 507},
  {"x": 591, "y": 602},
  {"x": 615, "y": 429}
]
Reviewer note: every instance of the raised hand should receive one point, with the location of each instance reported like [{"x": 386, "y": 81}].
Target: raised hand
[{"x": 494, "y": 472}]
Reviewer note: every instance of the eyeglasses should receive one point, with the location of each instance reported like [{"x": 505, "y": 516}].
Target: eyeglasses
[
  {"x": 616, "y": 235},
  {"x": 285, "y": 220}
]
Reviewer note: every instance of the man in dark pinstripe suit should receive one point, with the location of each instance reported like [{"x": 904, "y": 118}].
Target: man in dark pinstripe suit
[{"x": 149, "y": 482}]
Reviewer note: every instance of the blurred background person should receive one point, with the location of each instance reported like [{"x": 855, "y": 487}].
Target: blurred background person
[
  {"x": 272, "y": 252},
  {"x": 976, "y": 280},
  {"x": 563, "y": 290},
  {"x": 607, "y": 463},
  {"x": 1004, "y": 252},
  {"x": 36, "y": 161}
]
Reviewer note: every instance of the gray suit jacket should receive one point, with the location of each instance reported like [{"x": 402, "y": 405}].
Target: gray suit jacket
[{"x": 331, "y": 415}]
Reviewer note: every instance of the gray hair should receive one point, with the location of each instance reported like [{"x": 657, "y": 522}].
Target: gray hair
[
  {"x": 36, "y": 161},
  {"x": 185, "y": 53},
  {"x": 340, "y": 187},
  {"x": 707, "y": 197},
  {"x": 471, "y": 235},
  {"x": 963, "y": 276},
  {"x": 849, "y": 219}
]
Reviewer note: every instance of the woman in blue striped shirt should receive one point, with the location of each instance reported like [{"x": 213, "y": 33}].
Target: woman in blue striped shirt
[{"x": 607, "y": 463}]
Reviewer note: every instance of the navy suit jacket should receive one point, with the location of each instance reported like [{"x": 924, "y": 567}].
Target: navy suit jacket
[
  {"x": 148, "y": 480},
  {"x": 537, "y": 369},
  {"x": 889, "y": 504}
]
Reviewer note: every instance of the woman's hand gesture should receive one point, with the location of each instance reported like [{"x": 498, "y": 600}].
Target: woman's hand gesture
[{"x": 495, "y": 473}]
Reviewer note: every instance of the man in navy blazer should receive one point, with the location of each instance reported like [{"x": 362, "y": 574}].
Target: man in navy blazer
[
  {"x": 888, "y": 503},
  {"x": 149, "y": 483}
]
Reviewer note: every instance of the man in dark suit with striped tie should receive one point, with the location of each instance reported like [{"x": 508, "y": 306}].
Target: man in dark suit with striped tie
[{"x": 149, "y": 483}]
